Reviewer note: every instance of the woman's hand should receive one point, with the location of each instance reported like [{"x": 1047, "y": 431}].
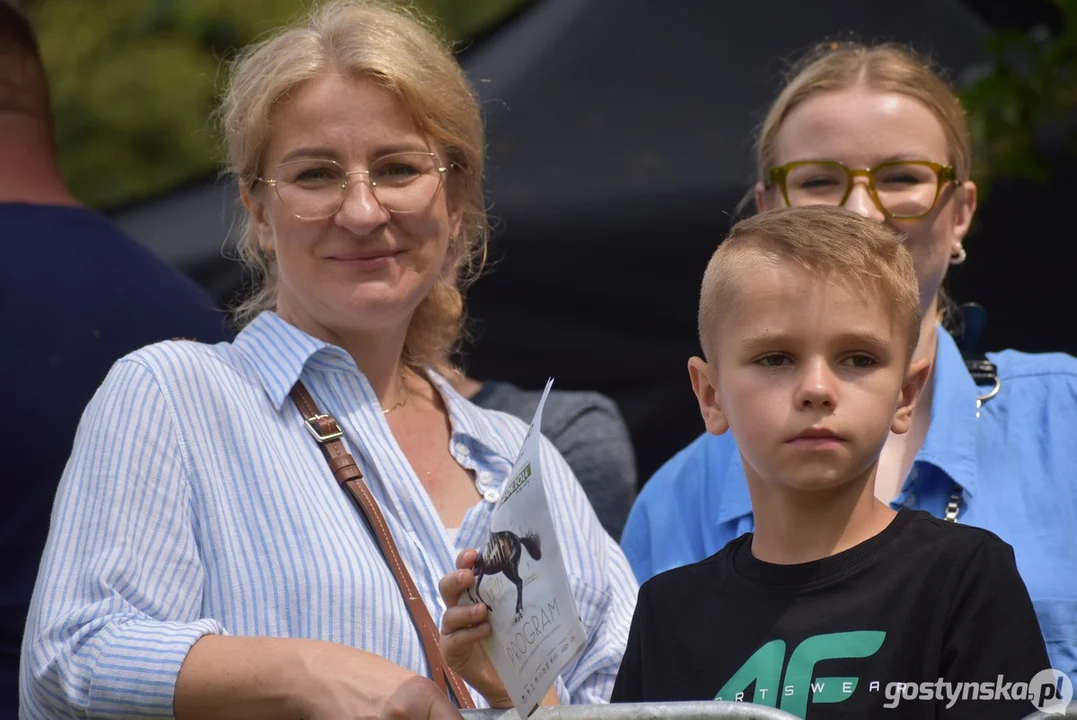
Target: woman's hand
[
  {"x": 358, "y": 684},
  {"x": 268, "y": 678},
  {"x": 462, "y": 627}
]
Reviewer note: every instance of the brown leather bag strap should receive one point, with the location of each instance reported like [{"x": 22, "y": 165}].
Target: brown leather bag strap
[{"x": 327, "y": 433}]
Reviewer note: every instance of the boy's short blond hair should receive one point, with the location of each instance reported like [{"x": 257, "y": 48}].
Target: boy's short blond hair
[{"x": 821, "y": 239}]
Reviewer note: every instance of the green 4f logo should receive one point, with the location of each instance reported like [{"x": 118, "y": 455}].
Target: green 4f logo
[{"x": 764, "y": 668}]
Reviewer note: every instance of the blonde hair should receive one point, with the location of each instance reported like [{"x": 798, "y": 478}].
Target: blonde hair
[
  {"x": 888, "y": 67},
  {"x": 819, "y": 238},
  {"x": 400, "y": 51}
]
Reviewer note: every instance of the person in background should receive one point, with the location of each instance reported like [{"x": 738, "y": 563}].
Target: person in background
[
  {"x": 76, "y": 294},
  {"x": 875, "y": 129},
  {"x": 586, "y": 428},
  {"x": 257, "y": 529}
]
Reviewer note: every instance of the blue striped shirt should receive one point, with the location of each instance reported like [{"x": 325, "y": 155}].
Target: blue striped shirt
[{"x": 195, "y": 502}]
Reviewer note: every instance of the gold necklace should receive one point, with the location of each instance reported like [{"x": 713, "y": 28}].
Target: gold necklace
[{"x": 402, "y": 403}]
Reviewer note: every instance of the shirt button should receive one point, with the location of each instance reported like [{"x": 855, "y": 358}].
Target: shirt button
[
  {"x": 485, "y": 477},
  {"x": 462, "y": 449},
  {"x": 910, "y": 500},
  {"x": 491, "y": 495}
]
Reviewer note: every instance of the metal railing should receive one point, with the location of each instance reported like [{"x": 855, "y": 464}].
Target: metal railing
[
  {"x": 1071, "y": 712},
  {"x": 704, "y": 710}
]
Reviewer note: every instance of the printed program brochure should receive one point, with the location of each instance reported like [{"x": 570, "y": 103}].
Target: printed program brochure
[{"x": 521, "y": 577}]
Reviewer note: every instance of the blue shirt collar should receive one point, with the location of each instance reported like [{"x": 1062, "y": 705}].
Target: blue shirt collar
[
  {"x": 950, "y": 444},
  {"x": 470, "y": 421},
  {"x": 278, "y": 352}
]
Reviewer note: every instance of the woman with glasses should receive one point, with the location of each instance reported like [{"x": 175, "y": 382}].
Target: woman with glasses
[
  {"x": 202, "y": 560},
  {"x": 876, "y": 130}
]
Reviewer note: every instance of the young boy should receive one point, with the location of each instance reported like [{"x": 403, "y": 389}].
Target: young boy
[{"x": 835, "y": 605}]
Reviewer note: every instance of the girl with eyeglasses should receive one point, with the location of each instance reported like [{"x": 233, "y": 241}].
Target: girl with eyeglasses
[{"x": 877, "y": 130}]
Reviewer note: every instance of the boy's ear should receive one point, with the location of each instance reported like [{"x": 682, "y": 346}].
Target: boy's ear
[
  {"x": 705, "y": 386},
  {"x": 915, "y": 381}
]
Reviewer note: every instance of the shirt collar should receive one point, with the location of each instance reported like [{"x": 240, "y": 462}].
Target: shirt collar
[
  {"x": 472, "y": 422},
  {"x": 950, "y": 444},
  {"x": 279, "y": 351}
]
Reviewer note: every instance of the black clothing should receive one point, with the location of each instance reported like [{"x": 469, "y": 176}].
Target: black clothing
[{"x": 922, "y": 601}]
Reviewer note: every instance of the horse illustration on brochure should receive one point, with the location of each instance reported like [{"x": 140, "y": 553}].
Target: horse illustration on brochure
[{"x": 501, "y": 554}]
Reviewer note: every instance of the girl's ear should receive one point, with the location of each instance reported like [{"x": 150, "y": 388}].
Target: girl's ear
[
  {"x": 964, "y": 210},
  {"x": 760, "y": 197}
]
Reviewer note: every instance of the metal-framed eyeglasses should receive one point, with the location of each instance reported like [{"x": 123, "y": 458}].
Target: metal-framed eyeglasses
[
  {"x": 902, "y": 189},
  {"x": 315, "y": 188}
]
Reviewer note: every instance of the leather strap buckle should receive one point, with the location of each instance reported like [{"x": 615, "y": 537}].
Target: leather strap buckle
[
  {"x": 324, "y": 428},
  {"x": 327, "y": 432}
]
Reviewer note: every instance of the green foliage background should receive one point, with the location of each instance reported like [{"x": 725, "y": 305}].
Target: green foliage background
[
  {"x": 134, "y": 82},
  {"x": 1030, "y": 89}
]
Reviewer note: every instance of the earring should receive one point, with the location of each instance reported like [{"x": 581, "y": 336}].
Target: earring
[{"x": 956, "y": 258}]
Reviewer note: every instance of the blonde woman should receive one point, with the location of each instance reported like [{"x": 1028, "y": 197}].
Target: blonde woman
[
  {"x": 877, "y": 130},
  {"x": 203, "y": 561}
]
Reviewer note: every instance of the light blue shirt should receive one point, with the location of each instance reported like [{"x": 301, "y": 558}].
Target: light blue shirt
[
  {"x": 1015, "y": 464},
  {"x": 196, "y": 502}
]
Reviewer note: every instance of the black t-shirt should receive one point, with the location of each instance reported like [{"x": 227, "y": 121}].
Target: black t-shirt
[
  {"x": 922, "y": 601},
  {"x": 76, "y": 295}
]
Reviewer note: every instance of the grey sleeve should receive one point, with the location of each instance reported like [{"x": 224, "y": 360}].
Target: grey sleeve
[{"x": 595, "y": 442}]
